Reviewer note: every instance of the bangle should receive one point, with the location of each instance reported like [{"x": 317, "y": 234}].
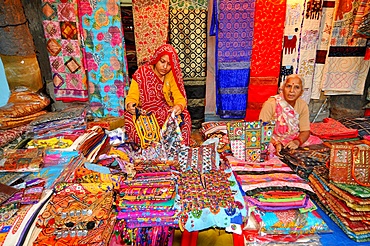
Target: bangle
[{"x": 299, "y": 140}]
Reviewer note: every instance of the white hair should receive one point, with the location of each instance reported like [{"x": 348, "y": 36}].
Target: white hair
[{"x": 291, "y": 77}]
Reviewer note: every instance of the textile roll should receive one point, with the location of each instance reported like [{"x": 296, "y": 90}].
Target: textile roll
[
  {"x": 188, "y": 35},
  {"x": 105, "y": 56},
  {"x": 232, "y": 24},
  {"x": 62, "y": 33}
]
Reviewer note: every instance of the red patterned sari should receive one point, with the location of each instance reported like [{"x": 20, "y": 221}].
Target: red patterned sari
[{"x": 152, "y": 98}]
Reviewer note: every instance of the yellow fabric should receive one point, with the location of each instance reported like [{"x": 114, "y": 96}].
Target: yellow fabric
[
  {"x": 268, "y": 112},
  {"x": 170, "y": 88}
]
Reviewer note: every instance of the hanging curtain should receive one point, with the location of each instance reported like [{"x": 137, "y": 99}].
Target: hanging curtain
[
  {"x": 151, "y": 26},
  {"x": 266, "y": 54},
  {"x": 322, "y": 47},
  {"x": 105, "y": 56},
  {"x": 232, "y": 24},
  {"x": 188, "y": 34},
  {"x": 345, "y": 69},
  {"x": 63, "y": 42}
]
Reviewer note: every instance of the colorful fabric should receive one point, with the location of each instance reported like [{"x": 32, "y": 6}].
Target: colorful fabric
[
  {"x": 6, "y": 136},
  {"x": 291, "y": 41},
  {"x": 345, "y": 49},
  {"x": 104, "y": 56},
  {"x": 190, "y": 41},
  {"x": 232, "y": 24},
  {"x": 267, "y": 47},
  {"x": 322, "y": 47},
  {"x": 331, "y": 129},
  {"x": 152, "y": 98},
  {"x": 361, "y": 124},
  {"x": 308, "y": 44},
  {"x": 21, "y": 160},
  {"x": 236, "y": 134},
  {"x": 291, "y": 222},
  {"x": 202, "y": 158},
  {"x": 210, "y": 199},
  {"x": 149, "y": 36},
  {"x": 62, "y": 32},
  {"x": 270, "y": 165}
]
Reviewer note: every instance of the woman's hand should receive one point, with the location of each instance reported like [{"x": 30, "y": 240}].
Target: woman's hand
[
  {"x": 278, "y": 146},
  {"x": 177, "y": 109},
  {"x": 294, "y": 144},
  {"x": 131, "y": 108}
]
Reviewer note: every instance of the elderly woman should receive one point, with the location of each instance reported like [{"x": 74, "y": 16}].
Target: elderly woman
[
  {"x": 157, "y": 87},
  {"x": 291, "y": 114}
]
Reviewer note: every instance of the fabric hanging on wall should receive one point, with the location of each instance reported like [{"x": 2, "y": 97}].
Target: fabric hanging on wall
[
  {"x": 291, "y": 39},
  {"x": 345, "y": 69},
  {"x": 266, "y": 54},
  {"x": 62, "y": 34},
  {"x": 105, "y": 56},
  {"x": 308, "y": 44},
  {"x": 151, "y": 26},
  {"x": 232, "y": 24},
  {"x": 322, "y": 47},
  {"x": 188, "y": 35}
]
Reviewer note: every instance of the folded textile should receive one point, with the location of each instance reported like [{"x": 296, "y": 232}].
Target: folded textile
[{"x": 331, "y": 129}]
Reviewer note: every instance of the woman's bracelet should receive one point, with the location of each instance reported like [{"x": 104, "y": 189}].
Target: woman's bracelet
[{"x": 299, "y": 140}]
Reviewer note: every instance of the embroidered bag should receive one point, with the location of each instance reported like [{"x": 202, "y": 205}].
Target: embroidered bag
[
  {"x": 350, "y": 164},
  {"x": 147, "y": 129}
]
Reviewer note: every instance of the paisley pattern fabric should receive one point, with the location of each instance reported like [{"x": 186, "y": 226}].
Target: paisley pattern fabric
[
  {"x": 62, "y": 32},
  {"x": 151, "y": 27},
  {"x": 105, "y": 59}
]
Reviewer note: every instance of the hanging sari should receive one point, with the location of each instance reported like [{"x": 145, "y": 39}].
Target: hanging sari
[
  {"x": 152, "y": 99},
  {"x": 287, "y": 123}
]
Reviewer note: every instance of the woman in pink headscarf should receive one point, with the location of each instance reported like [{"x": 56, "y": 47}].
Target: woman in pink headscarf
[{"x": 157, "y": 87}]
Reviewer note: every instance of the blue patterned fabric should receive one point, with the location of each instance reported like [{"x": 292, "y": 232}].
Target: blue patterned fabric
[{"x": 232, "y": 24}]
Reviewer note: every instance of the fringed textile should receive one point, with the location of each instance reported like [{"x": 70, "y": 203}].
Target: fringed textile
[
  {"x": 232, "y": 24},
  {"x": 62, "y": 33},
  {"x": 151, "y": 27},
  {"x": 105, "y": 56},
  {"x": 188, "y": 34}
]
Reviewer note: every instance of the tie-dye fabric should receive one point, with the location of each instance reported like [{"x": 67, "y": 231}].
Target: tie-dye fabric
[{"x": 105, "y": 56}]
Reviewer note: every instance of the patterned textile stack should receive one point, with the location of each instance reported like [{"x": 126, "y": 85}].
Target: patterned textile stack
[
  {"x": 303, "y": 159},
  {"x": 146, "y": 208},
  {"x": 279, "y": 201},
  {"x": 58, "y": 129},
  {"x": 342, "y": 188},
  {"x": 23, "y": 107},
  {"x": 347, "y": 205},
  {"x": 77, "y": 214}
]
